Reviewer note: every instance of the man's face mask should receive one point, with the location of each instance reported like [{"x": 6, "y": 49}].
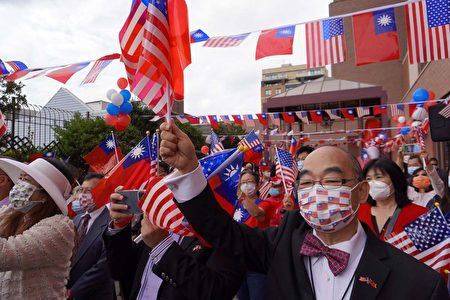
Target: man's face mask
[
  {"x": 20, "y": 194},
  {"x": 85, "y": 200}
]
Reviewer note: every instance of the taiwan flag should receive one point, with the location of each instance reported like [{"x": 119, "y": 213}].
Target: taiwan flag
[
  {"x": 64, "y": 74},
  {"x": 376, "y": 37},
  {"x": 316, "y": 116},
  {"x": 198, "y": 36},
  {"x": 262, "y": 118},
  {"x": 104, "y": 156},
  {"x": 275, "y": 42},
  {"x": 132, "y": 172}
]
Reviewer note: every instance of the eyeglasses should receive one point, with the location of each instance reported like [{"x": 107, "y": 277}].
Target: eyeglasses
[
  {"x": 80, "y": 189},
  {"x": 326, "y": 183}
]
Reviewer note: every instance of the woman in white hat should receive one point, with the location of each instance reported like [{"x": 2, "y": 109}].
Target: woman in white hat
[{"x": 36, "y": 236}]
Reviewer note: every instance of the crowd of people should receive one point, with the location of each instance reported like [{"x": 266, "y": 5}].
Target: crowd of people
[{"x": 323, "y": 238}]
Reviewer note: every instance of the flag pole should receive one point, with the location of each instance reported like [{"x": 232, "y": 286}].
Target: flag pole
[
  {"x": 227, "y": 161},
  {"x": 281, "y": 171},
  {"x": 115, "y": 146}
]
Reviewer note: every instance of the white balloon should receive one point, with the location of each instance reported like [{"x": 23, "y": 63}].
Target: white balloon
[
  {"x": 420, "y": 114},
  {"x": 117, "y": 99},
  {"x": 401, "y": 119},
  {"x": 373, "y": 152},
  {"x": 110, "y": 93}
]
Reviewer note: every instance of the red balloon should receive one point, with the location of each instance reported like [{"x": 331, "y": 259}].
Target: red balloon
[
  {"x": 431, "y": 95},
  {"x": 123, "y": 120},
  {"x": 110, "y": 120},
  {"x": 122, "y": 83},
  {"x": 120, "y": 127},
  {"x": 204, "y": 150}
]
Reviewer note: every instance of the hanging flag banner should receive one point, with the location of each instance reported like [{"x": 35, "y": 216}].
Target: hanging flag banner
[{"x": 275, "y": 42}]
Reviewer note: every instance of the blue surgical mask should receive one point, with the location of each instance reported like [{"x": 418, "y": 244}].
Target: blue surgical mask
[
  {"x": 300, "y": 164},
  {"x": 76, "y": 207},
  {"x": 412, "y": 169},
  {"x": 274, "y": 192}
]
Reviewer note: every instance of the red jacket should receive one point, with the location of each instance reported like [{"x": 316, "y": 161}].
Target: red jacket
[{"x": 408, "y": 213}]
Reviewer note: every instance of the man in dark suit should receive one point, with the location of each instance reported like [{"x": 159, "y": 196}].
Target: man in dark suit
[
  {"x": 89, "y": 275},
  {"x": 324, "y": 255},
  {"x": 167, "y": 266}
]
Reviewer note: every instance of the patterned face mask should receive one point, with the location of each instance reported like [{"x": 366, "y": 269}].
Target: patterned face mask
[
  {"x": 86, "y": 201},
  {"x": 327, "y": 210},
  {"x": 20, "y": 195}
]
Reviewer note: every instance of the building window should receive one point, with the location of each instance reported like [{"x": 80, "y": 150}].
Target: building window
[
  {"x": 268, "y": 92},
  {"x": 277, "y": 91}
]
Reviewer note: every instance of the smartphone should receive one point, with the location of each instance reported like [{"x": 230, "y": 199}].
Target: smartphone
[
  {"x": 412, "y": 149},
  {"x": 131, "y": 198}
]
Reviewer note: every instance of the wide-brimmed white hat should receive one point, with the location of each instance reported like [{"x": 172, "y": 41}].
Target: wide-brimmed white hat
[{"x": 48, "y": 176}]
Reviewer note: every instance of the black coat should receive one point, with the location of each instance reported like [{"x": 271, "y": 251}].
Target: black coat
[
  {"x": 189, "y": 270},
  {"x": 275, "y": 251},
  {"x": 89, "y": 276}
]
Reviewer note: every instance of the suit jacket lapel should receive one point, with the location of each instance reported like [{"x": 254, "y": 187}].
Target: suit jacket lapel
[
  {"x": 187, "y": 242},
  {"x": 97, "y": 228},
  {"x": 303, "y": 282},
  {"x": 371, "y": 273}
]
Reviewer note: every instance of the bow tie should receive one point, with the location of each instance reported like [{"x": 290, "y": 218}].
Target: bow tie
[{"x": 337, "y": 259}]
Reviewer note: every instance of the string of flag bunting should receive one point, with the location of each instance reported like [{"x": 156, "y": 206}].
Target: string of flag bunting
[{"x": 307, "y": 117}]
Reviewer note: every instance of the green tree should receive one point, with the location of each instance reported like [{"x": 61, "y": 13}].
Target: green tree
[
  {"x": 11, "y": 96},
  {"x": 194, "y": 134},
  {"x": 141, "y": 117},
  {"x": 232, "y": 130}
]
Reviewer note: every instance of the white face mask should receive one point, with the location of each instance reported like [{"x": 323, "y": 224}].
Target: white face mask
[
  {"x": 327, "y": 210},
  {"x": 248, "y": 188},
  {"x": 20, "y": 194},
  {"x": 379, "y": 190}
]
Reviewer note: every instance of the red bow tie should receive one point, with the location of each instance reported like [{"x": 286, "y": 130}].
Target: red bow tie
[{"x": 337, "y": 259}]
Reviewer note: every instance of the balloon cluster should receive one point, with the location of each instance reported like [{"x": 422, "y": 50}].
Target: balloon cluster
[
  {"x": 120, "y": 107},
  {"x": 423, "y": 99}
]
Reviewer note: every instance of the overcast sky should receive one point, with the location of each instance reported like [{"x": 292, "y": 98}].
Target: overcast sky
[{"x": 43, "y": 33}]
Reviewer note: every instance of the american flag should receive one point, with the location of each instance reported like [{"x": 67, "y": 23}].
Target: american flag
[
  {"x": 248, "y": 120},
  {"x": 98, "y": 67},
  {"x": 428, "y": 30},
  {"x": 17, "y": 65},
  {"x": 226, "y": 119},
  {"x": 216, "y": 144},
  {"x": 275, "y": 119},
  {"x": 182, "y": 119},
  {"x": 148, "y": 54},
  {"x": 251, "y": 141},
  {"x": 286, "y": 168},
  {"x": 154, "y": 155},
  {"x": 362, "y": 111},
  {"x": 2, "y": 125},
  {"x": 264, "y": 189},
  {"x": 226, "y": 41},
  {"x": 303, "y": 116},
  {"x": 333, "y": 114},
  {"x": 397, "y": 110},
  {"x": 445, "y": 112},
  {"x": 427, "y": 239},
  {"x": 325, "y": 43}
]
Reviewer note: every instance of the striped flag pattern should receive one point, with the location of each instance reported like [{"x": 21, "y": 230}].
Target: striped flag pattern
[
  {"x": 303, "y": 116},
  {"x": 325, "y": 42},
  {"x": 428, "y": 28},
  {"x": 17, "y": 65},
  {"x": 216, "y": 144},
  {"x": 397, "y": 110},
  {"x": 264, "y": 189},
  {"x": 2, "y": 125},
  {"x": 248, "y": 120},
  {"x": 226, "y": 119},
  {"x": 226, "y": 41},
  {"x": 445, "y": 112},
  {"x": 286, "y": 168},
  {"x": 251, "y": 141},
  {"x": 98, "y": 67},
  {"x": 426, "y": 239},
  {"x": 362, "y": 111},
  {"x": 334, "y": 114}
]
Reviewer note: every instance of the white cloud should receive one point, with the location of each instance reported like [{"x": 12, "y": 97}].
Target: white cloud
[{"x": 45, "y": 33}]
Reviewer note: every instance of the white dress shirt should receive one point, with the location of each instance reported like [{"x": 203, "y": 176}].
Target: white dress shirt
[{"x": 326, "y": 285}]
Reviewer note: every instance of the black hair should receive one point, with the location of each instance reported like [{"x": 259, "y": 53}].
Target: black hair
[
  {"x": 416, "y": 157},
  {"x": 254, "y": 174},
  {"x": 90, "y": 176},
  {"x": 307, "y": 149},
  {"x": 398, "y": 179},
  {"x": 63, "y": 167},
  {"x": 434, "y": 159},
  {"x": 414, "y": 174}
]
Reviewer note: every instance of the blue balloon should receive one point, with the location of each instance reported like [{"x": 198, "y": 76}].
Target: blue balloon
[
  {"x": 420, "y": 95},
  {"x": 126, "y": 108},
  {"x": 405, "y": 130},
  {"x": 112, "y": 109},
  {"x": 126, "y": 95}
]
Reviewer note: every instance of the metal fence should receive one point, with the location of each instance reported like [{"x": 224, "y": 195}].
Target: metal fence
[{"x": 33, "y": 127}]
